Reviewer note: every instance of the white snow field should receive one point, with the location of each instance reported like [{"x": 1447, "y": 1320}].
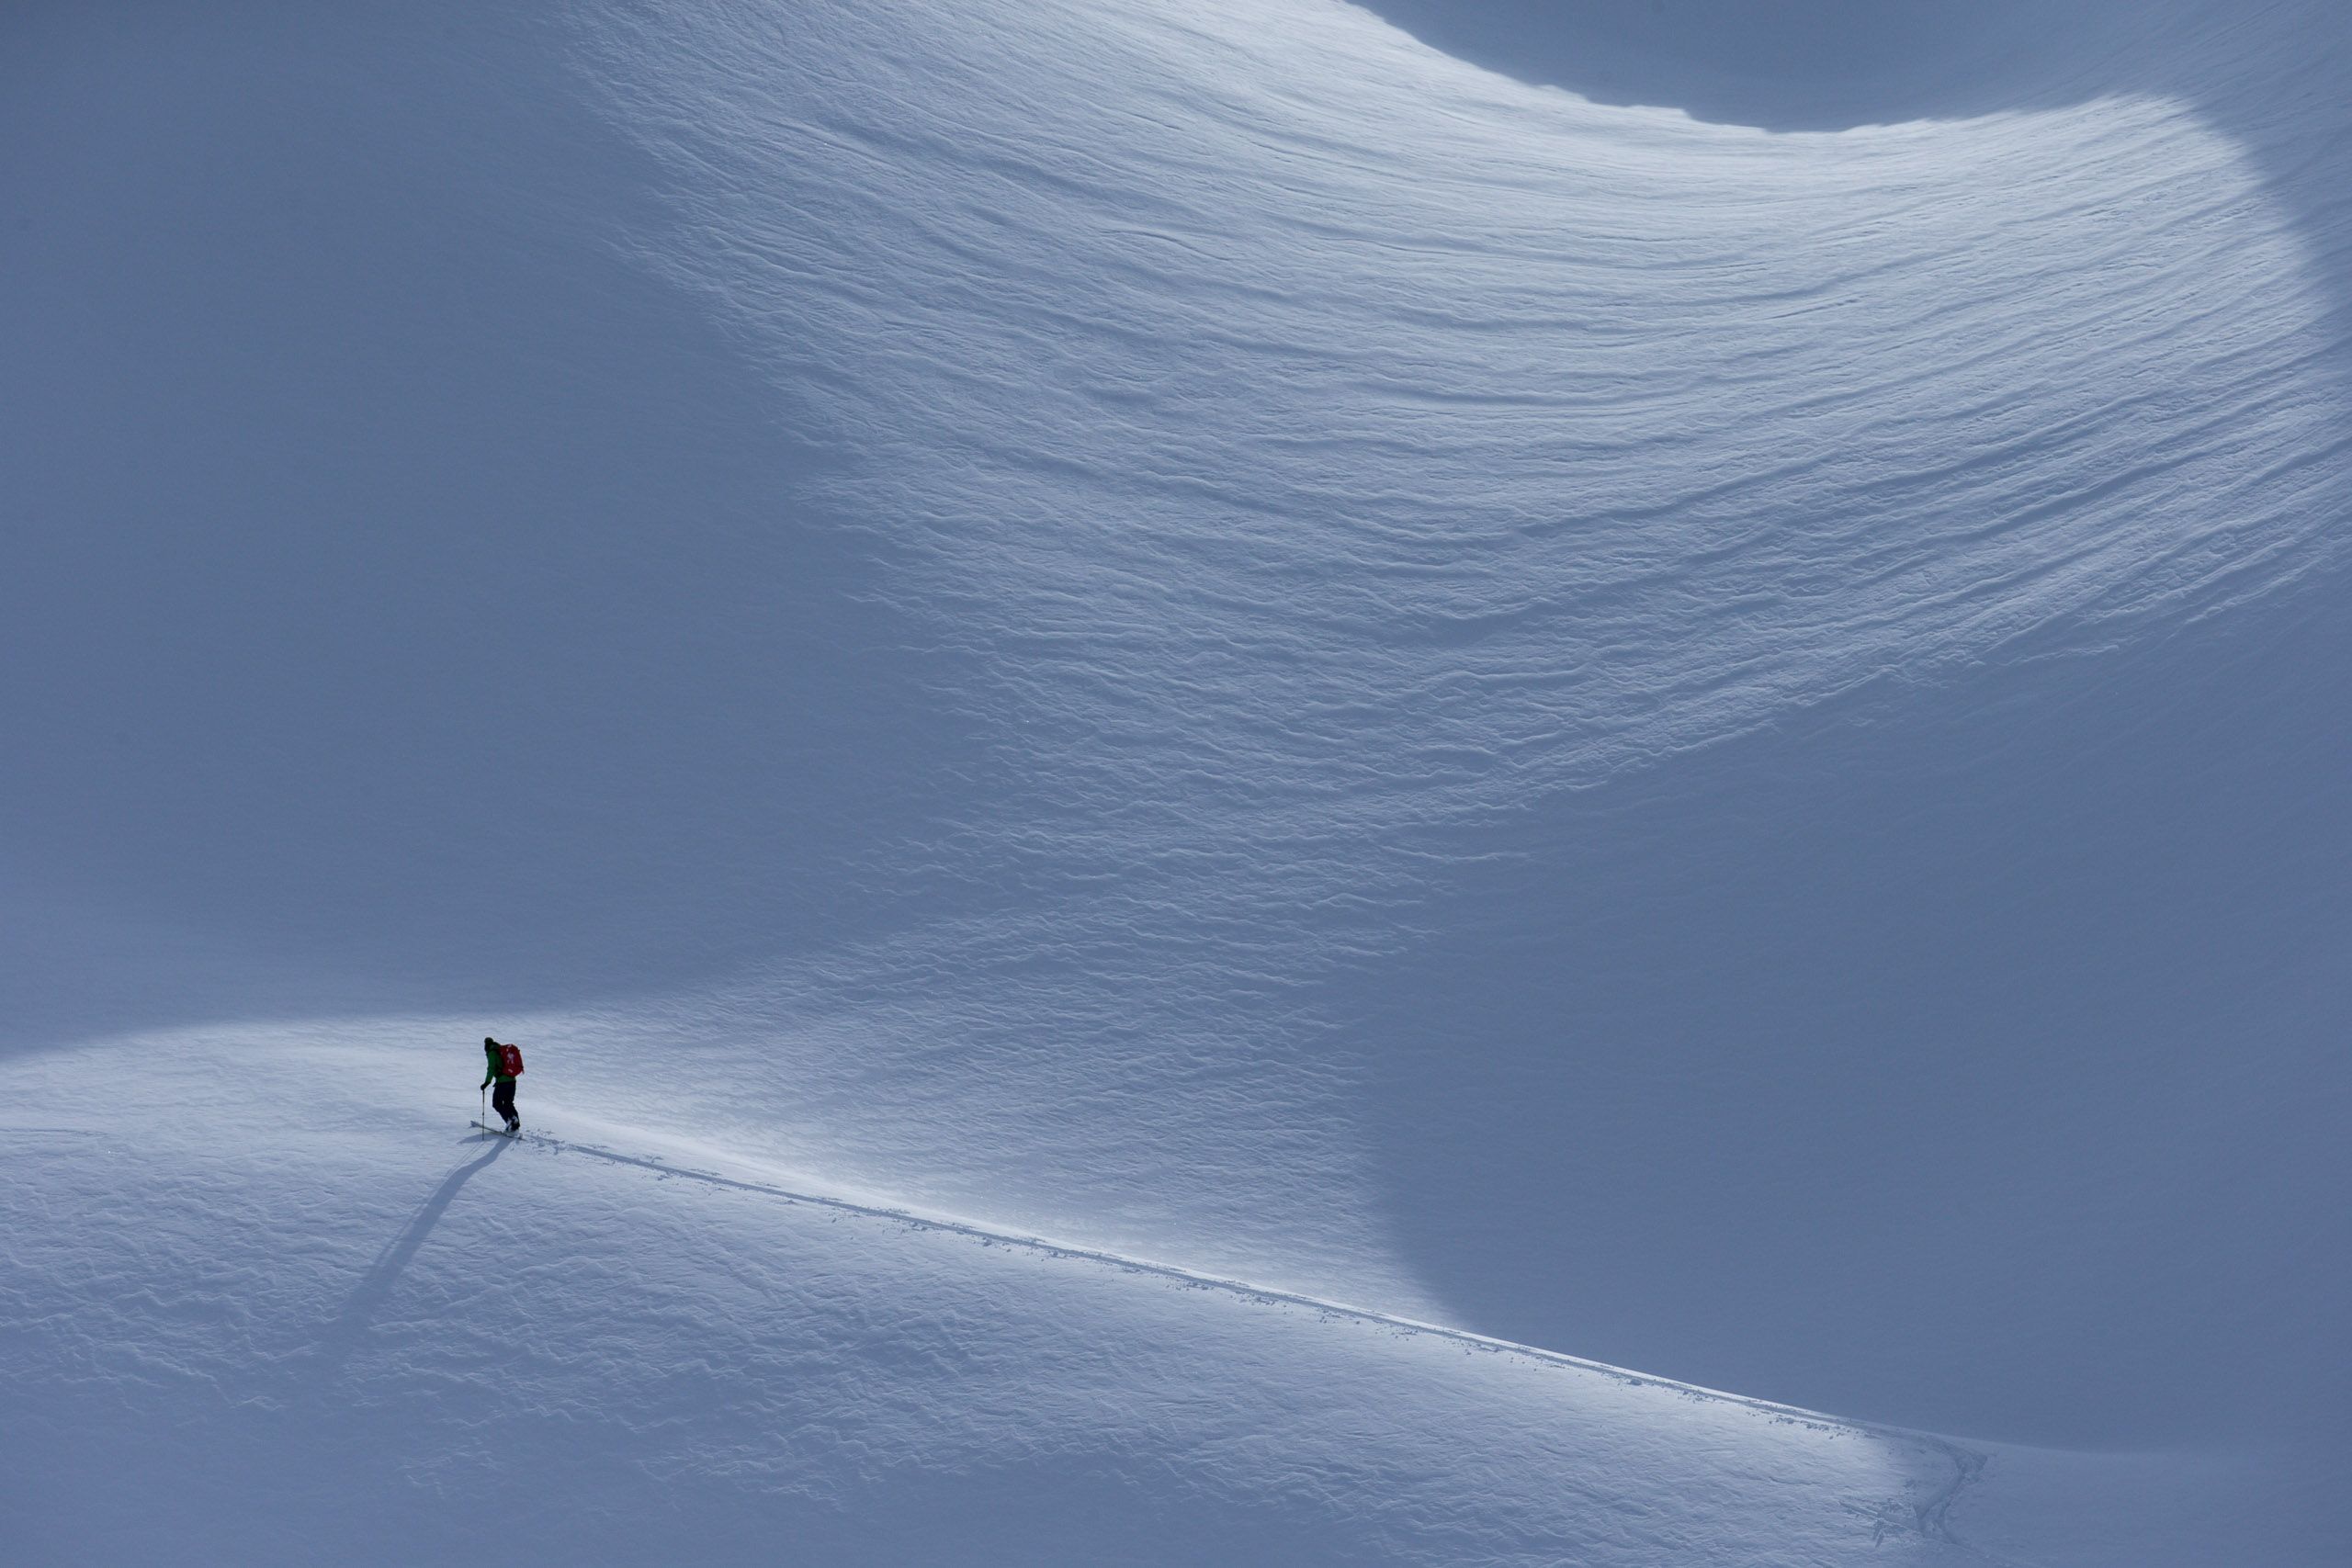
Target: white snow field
[{"x": 1206, "y": 746}]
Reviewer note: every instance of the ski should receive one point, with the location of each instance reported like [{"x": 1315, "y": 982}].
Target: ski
[{"x": 500, "y": 1131}]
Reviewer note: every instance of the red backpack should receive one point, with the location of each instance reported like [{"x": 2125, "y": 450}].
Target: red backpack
[{"x": 510, "y": 1061}]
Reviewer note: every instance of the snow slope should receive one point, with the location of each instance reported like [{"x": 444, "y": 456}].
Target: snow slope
[
  {"x": 1203, "y": 631},
  {"x": 571, "y": 1357}
]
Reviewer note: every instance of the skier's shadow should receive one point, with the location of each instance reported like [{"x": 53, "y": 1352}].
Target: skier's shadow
[{"x": 360, "y": 1309}]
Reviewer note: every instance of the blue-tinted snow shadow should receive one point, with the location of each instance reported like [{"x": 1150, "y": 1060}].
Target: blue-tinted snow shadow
[
  {"x": 1967, "y": 1059},
  {"x": 1961, "y": 1055},
  {"x": 375, "y": 1288},
  {"x": 1785, "y": 66},
  {"x": 2269, "y": 79},
  {"x": 2257, "y": 75},
  {"x": 409, "y": 601},
  {"x": 479, "y": 1474},
  {"x": 1080, "y": 1508}
]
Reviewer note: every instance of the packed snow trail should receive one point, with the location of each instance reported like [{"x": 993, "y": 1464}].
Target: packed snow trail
[
  {"x": 1929, "y": 1519},
  {"x": 385, "y": 1329},
  {"x": 1523, "y": 642},
  {"x": 1195, "y": 625}
]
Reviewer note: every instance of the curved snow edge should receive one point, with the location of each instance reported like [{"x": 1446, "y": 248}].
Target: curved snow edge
[{"x": 1929, "y": 1519}]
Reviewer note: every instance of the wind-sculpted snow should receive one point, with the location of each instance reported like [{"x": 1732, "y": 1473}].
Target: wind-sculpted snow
[
  {"x": 1345, "y": 451},
  {"x": 1328, "y": 463},
  {"x": 567, "y": 1354},
  {"x": 1702, "y": 740}
]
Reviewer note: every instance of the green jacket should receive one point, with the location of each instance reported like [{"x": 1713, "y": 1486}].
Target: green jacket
[{"x": 492, "y": 1069}]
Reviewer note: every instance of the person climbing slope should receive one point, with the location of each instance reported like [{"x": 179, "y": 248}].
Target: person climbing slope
[{"x": 505, "y": 1065}]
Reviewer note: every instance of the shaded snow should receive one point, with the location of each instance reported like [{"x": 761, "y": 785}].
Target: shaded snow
[
  {"x": 1200, "y": 630},
  {"x": 577, "y": 1358}
]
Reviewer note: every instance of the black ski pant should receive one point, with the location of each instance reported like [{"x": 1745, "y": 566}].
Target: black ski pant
[{"x": 502, "y": 1100}]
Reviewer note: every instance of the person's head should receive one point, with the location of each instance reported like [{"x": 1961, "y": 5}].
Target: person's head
[{"x": 488, "y": 1039}]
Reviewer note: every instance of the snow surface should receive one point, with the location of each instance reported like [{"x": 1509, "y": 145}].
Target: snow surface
[
  {"x": 1407, "y": 709},
  {"x": 578, "y": 1358}
]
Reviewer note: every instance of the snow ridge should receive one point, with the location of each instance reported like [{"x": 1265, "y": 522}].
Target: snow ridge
[
  {"x": 1929, "y": 1519},
  {"x": 1651, "y": 735},
  {"x": 1315, "y": 460}
]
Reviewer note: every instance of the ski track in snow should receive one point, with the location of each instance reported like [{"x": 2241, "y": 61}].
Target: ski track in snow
[
  {"x": 1303, "y": 469},
  {"x": 599, "y": 1308},
  {"x": 1929, "y": 1519},
  {"x": 1294, "y": 462}
]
